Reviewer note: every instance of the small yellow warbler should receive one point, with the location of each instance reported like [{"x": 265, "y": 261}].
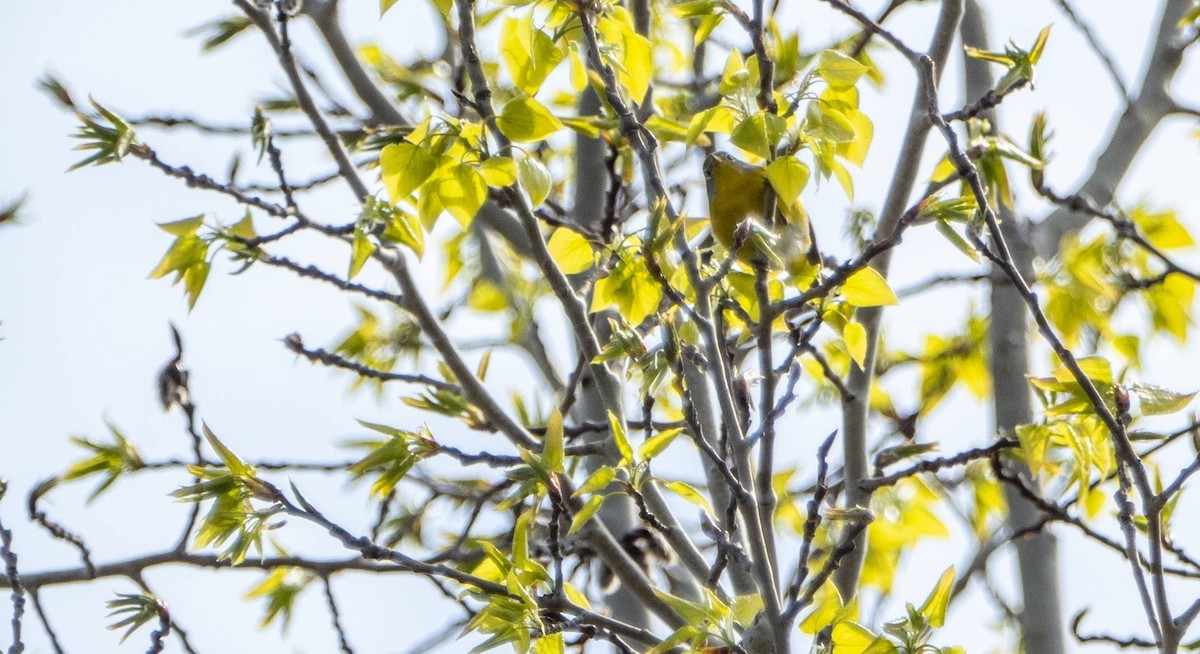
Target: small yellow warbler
[{"x": 738, "y": 192}]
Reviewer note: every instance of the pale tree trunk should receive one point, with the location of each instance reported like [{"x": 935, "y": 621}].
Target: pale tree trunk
[
  {"x": 1149, "y": 104},
  {"x": 1037, "y": 555},
  {"x": 618, "y": 512}
]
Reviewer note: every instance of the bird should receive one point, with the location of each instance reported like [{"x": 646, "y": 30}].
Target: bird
[
  {"x": 740, "y": 193},
  {"x": 173, "y": 379}
]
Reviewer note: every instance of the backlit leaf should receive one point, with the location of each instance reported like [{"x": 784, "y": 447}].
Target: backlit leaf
[
  {"x": 856, "y": 341},
  {"x": 404, "y": 168},
  {"x": 570, "y": 250},
  {"x": 867, "y": 288},
  {"x": 525, "y": 119}
]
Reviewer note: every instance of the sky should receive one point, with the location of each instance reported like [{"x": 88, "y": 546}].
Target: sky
[{"x": 85, "y": 331}]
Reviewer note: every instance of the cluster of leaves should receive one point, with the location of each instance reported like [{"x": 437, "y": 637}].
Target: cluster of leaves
[
  {"x": 1072, "y": 445},
  {"x": 232, "y": 490},
  {"x": 1098, "y": 273},
  {"x": 189, "y": 259},
  {"x": 834, "y": 622}
]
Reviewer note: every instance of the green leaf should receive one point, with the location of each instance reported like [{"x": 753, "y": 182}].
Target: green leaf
[
  {"x": 111, "y": 142},
  {"x": 1034, "y": 440},
  {"x": 746, "y": 607},
  {"x": 1035, "y": 53},
  {"x": 281, "y": 588},
  {"x": 185, "y": 227},
  {"x": 525, "y": 119},
  {"x": 687, "y": 492},
  {"x": 621, "y": 440},
  {"x": 185, "y": 252},
  {"x": 679, "y": 637},
  {"x": 759, "y": 133},
  {"x": 1097, "y": 369},
  {"x": 694, "y": 8},
  {"x": 404, "y": 168},
  {"x": 585, "y": 513},
  {"x": 934, "y": 608},
  {"x": 553, "y": 447},
  {"x": 406, "y": 229},
  {"x": 855, "y": 336},
  {"x": 528, "y": 53},
  {"x": 657, "y": 443},
  {"x": 134, "y": 611},
  {"x": 570, "y": 250},
  {"x": 597, "y": 482},
  {"x": 1158, "y": 401},
  {"x": 1163, "y": 229},
  {"x": 838, "y": 70},
  {"x": 957, "y": 240},
  {"x": 193, "y": 281},
  {"x": 576, "y": 596},
  {"x": 361, "y": 250},
  {"x": 827, "y": 608},
  {"x": 867, "y": 288},
  {"x": 551, "y": 644},
  {"x": 499, "y": 172},
  {"x": 462, "y": 191},
  {"x": 535, "y": 179},
  {"x": 851, "y": 638},
  {"x": 391, "y": 459},
  {"x": 630, "y": 53},
  {"x": 788, "y": 177},
  {"x": 691, "y": 612},
  {"x": 236, "y": 465},
  {"x": 630, "y": 288},
  {"x": 826, "y": 123}
]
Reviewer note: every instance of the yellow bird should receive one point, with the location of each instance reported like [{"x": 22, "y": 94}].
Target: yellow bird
[{"x": 739, "y": 192}]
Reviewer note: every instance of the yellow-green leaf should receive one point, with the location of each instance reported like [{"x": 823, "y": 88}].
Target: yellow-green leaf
[
  {"x": 499, "y": 172},
  {"x": 193, "y": 281},
  {"x": 639, "y": 65},
  {"x": 657, "y": 443},
  {"x": 185, "y": 227},
  {"x": 687, "y": 492},
  {"x": 839, "y": 70},
  {"x": 934, "y": 608},
  {"x": 576, "y": 596},
  {"x": 851, "y": 638},
  {"x": 867, "y": 288},
  {"x": 1156, "y": 400},
  {"x": 528, "y": 53},
  {"x": 404, "y": 167},
  {"x": 405, "y": 228},
  {"x": 597, "y": 482},
  {"x": 856, "y": 341},
  {"x": 585, "y": 513},
  {"x": 462, "y": 190},
  {"x": 535, "y": 179},
  {"x": 629, "y": 288},
  {"x": 235, "y": 464},
  {"x": 788, "y": 177},
  {"x": 620, "y": 438},
  {"x": 550, "y": 644},
  {"x": 759, "y": 133},
  {"x": 552, "y": 445},
  {"x": 525, "y": 119},
  {"x": 361, "y": 250},
  {"x": 570, "y": 250}
]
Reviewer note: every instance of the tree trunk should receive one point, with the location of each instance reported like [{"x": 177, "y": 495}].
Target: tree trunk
[{"x": 1037, "y": 555}]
